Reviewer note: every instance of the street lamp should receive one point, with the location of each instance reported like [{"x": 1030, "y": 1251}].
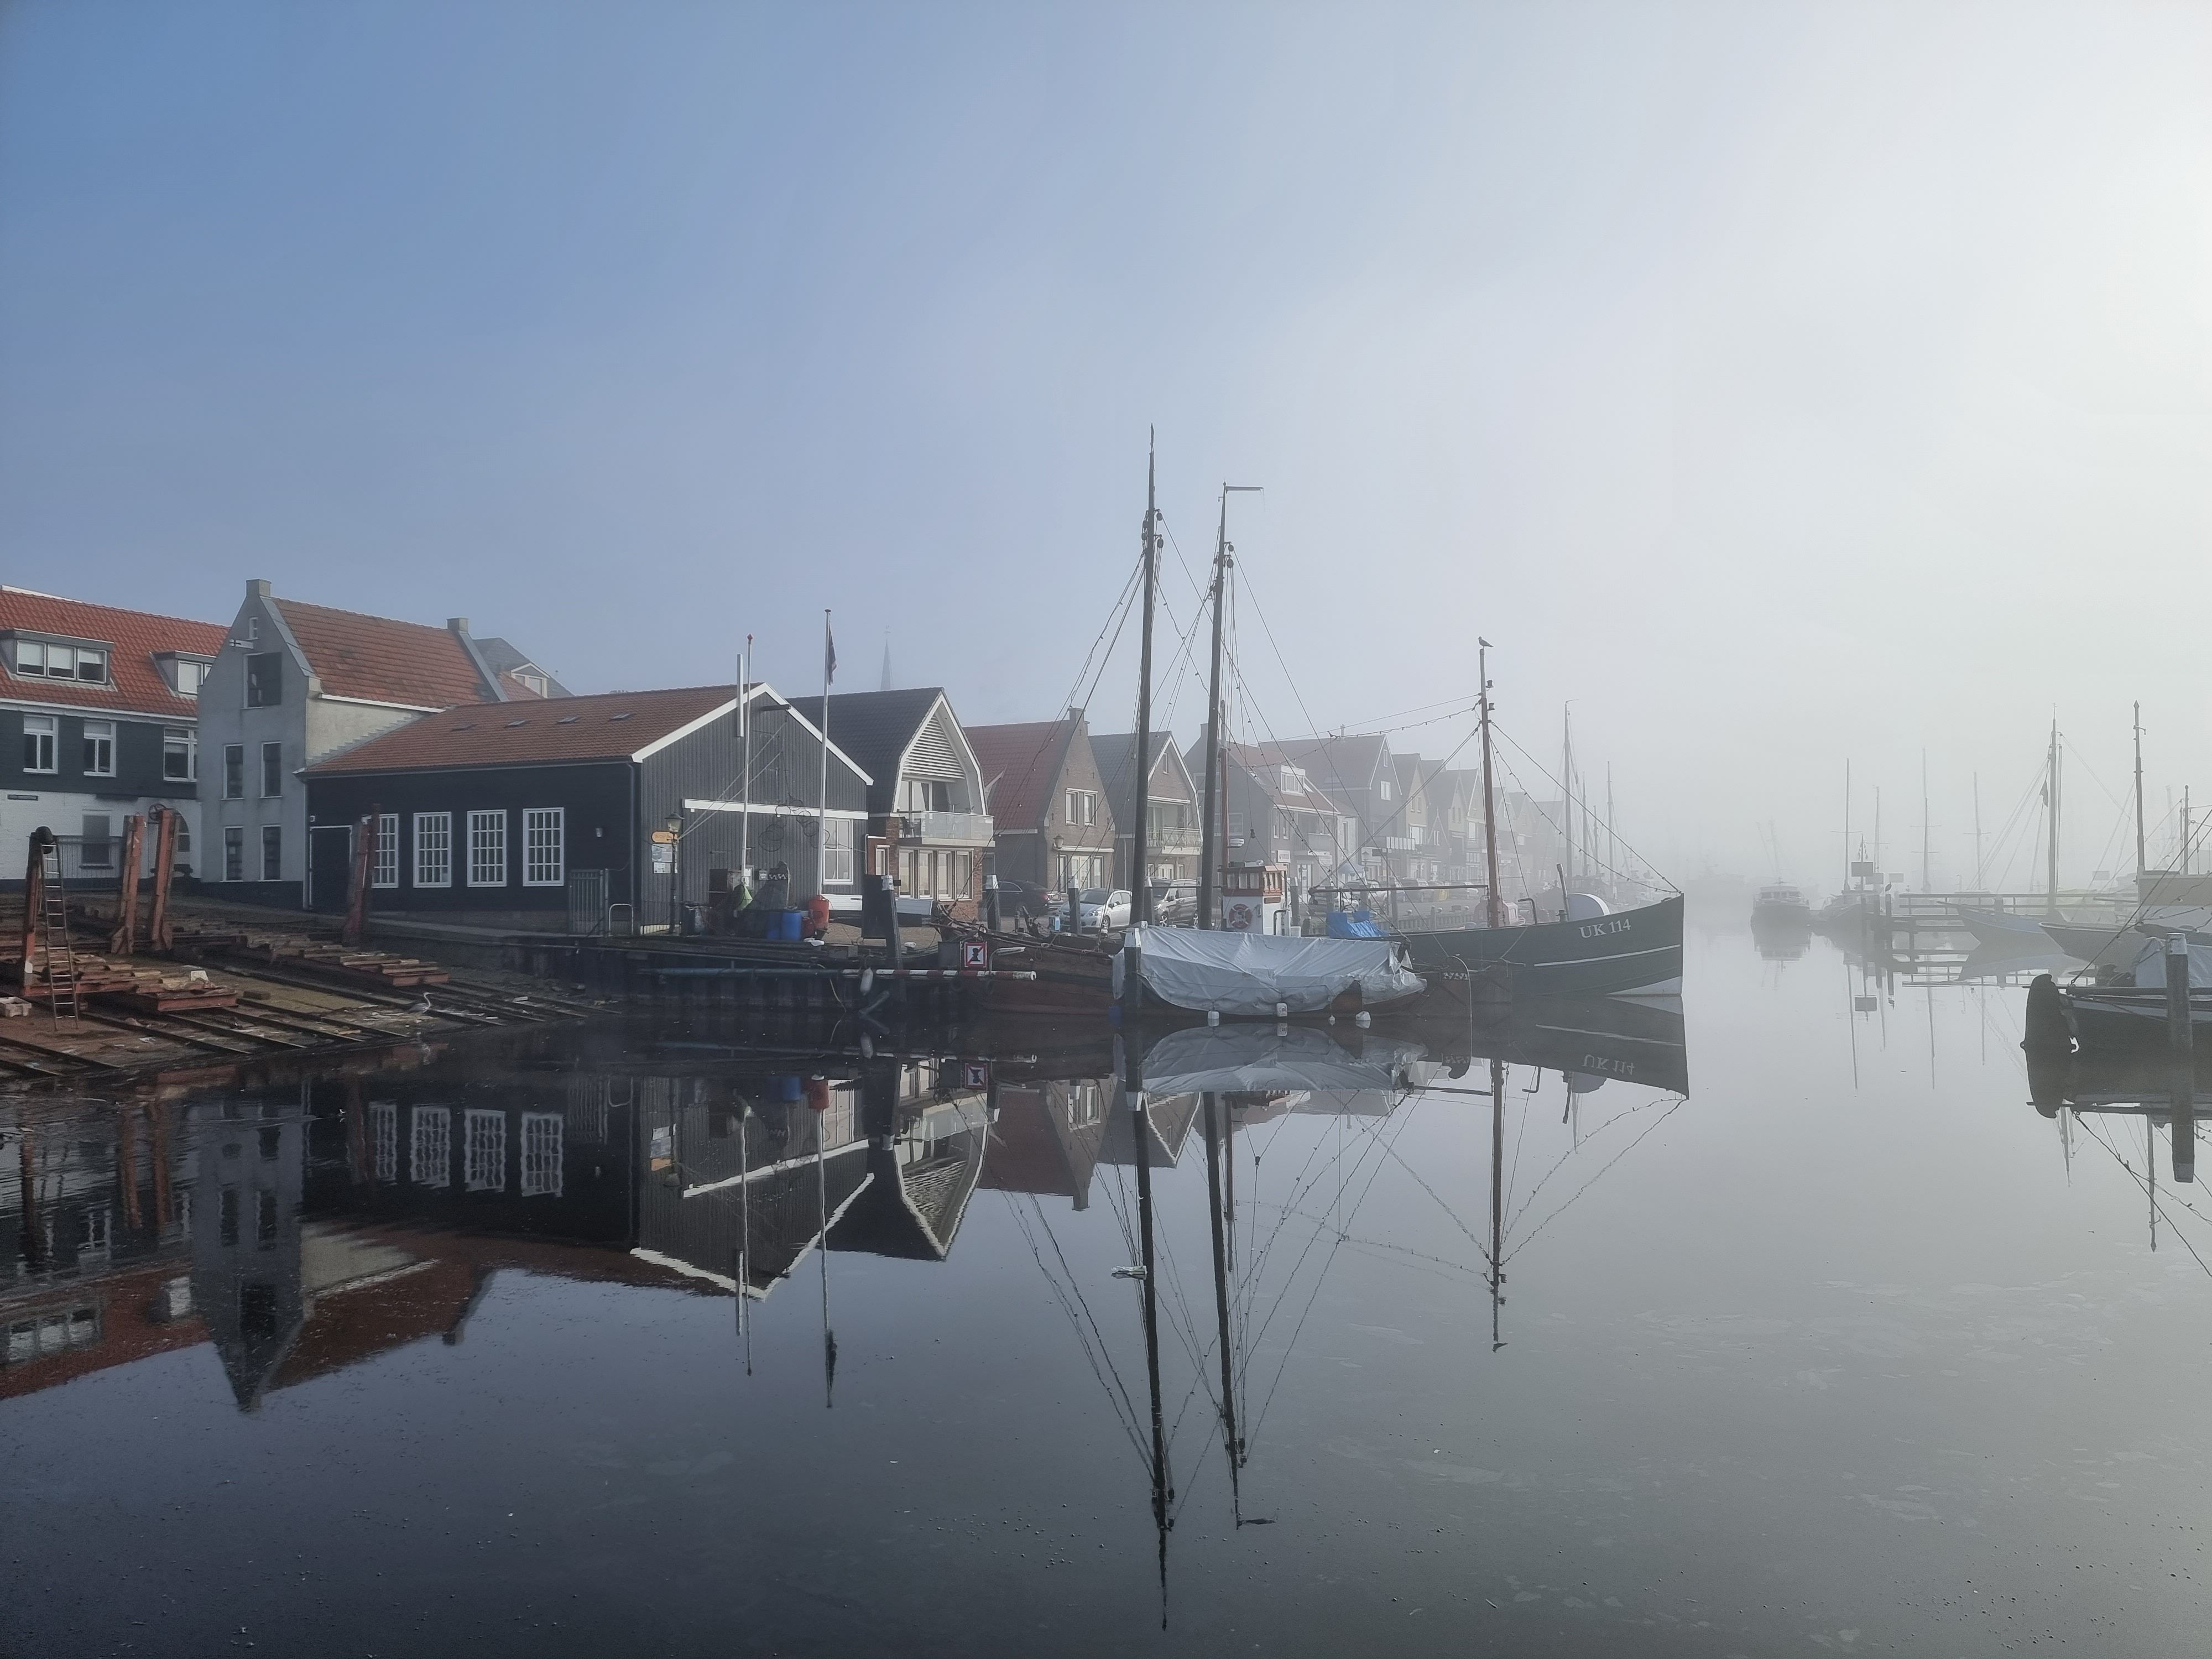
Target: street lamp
[{"x": 675, "y": 874}]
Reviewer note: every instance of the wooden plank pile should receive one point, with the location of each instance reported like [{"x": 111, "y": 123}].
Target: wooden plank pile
[
  {"x": 322, "y": 957},
  {"x": 148, "y": 987}
]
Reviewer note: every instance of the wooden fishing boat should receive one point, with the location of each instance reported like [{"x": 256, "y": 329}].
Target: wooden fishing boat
[{"x": 1616, "y": 953}]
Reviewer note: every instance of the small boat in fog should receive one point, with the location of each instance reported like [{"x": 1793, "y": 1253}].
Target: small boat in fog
[
  {"x": 1591, "y": 951},
  {"x": 1780, "y": 905}
]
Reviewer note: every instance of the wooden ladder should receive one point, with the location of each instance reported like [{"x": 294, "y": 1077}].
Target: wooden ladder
[{"x": 62, "y": 992}]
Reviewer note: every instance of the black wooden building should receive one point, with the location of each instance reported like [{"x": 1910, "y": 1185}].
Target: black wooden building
[{"x": 545, "y": 814}]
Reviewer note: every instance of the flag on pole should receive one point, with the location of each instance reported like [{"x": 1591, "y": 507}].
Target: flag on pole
[{"x": 829, "y": 651}]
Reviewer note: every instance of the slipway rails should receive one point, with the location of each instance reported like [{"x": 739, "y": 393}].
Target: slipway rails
[{"x": 87, "y": 997}]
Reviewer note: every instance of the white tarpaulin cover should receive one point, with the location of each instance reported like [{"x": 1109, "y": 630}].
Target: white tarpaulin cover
[
  {"x": 2150, "y": 967},
  {"x": 1259, "y": 1060},
  {"x": 1233, "y": 973}
]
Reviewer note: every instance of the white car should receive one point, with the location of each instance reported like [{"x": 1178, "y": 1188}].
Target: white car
[{"x": 1100, "y": 909}]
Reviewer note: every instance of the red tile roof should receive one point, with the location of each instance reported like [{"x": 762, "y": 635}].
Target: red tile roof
[
  {"x": 380, "y": 660},
  {"x": 138, "y": 685},
  {"x": 612, "y": 726},
  {"x": 1020, "y": 765}
]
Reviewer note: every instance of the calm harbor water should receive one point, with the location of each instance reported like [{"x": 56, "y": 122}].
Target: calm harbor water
[{"x": 1814, "y": 1336}]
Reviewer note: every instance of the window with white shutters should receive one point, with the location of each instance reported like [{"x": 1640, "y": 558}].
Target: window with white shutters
[
  {"x": 544, "y": 846},
  {"x": 430, "y": 1150},
  {"x": 484, "y": 1166},
  {"x": 434, "y": 850},
  {"x": 488, "y": 849},
  {"x": 541, "y": 1154}
]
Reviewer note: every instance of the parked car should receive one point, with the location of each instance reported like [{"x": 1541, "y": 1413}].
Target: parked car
[
  {"x": 1175, "y": 903},
  {"x": 1102, "y": 910}
]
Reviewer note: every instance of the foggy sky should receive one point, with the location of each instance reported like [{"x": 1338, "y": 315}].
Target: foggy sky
[{"x": 1781, "y": 384}]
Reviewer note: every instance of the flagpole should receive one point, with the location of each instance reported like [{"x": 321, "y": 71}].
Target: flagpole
[{"x": 822, "y": 823}]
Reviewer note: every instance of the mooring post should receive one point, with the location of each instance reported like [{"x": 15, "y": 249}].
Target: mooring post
[
  {"x": 123, "y": 939},
  {"x": 2181, "y": 1047}
]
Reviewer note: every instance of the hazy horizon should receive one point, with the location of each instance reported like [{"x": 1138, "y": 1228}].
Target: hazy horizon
[{"x": 1782, "y": 386}]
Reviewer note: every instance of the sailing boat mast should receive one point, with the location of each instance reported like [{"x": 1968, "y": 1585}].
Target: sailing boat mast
[
  {"x": 2051, "y": 902},
  {"x": 1489, "y": 795},
  {"x": 1211, "y": 854},
  {"x": 1214, "y": 1204},
  {"x": 1496, "y": 1199},
  {"x": 2140, "y": 860},
  {"x": 1141, "y": 1123},
  {"x": 1140, "y": 871},
  {"x": 1847, "y": 825}
]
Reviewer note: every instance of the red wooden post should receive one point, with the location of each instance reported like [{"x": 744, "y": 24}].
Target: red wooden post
[
  {"x": 364, "y": 865},
  {"x": 35, "y": 902},
  {"x": 124, "y": 938},
  {"x": 158, "y": 934}
]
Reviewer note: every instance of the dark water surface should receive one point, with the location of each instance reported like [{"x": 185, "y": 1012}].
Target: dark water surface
[{"x": 1844, "y": 1348}]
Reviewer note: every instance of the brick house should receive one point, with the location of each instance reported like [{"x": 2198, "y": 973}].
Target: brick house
[{"x": 1049, "y": 803}]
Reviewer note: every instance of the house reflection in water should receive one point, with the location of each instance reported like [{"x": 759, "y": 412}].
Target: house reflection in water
[{"x": 303, "y": 1228}]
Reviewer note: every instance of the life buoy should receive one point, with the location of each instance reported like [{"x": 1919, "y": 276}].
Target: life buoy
[{"x": 1240, "y": 917}]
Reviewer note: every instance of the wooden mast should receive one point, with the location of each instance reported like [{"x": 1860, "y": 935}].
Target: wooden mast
[
  {"x": 1489, "y": 795},
  {"x": 2051, "y": 900},
  {"x": 1139, "y": 873},
  {"x": 2140, "y": 860}
]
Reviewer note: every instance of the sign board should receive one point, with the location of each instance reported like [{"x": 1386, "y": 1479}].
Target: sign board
[
  {"x": 975, "y": 953},
  {"x": 1862, "y": 870},
  {"x": 976, "y": 1074},
  {"x": 663, "y": 838},
  {"x": 664, "y": 858}
]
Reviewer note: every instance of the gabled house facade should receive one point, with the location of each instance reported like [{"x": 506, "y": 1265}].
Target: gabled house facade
[
  {"x": 99, "y": 720},
  {"x": 1171, "y": 828},
  {"x": 1275, "y": 813},
  {"x": 296, "y": 683},
  {"x": 551, "y": 813},
  {"x": 929, "y": 824},
  {"x": 1049, "y": 807},
  {"x": 1359, "y": 773}
]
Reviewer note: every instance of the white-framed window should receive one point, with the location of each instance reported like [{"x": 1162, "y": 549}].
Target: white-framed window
[
  {"x": 384, "y": 1139},
  {"x": 430, "y": 1147},
  {"x": 838, "y": 836},
  {"x": 1082, "y": 806},
  {"x": 541, "y": 1154},
  {"x": 544, "y": 846},
  {"x": 434, "y": 850},
  {"x": 1384, "y": 789},
  {"x": 99, "y": 748},
  {"x": 384, "y": 870},
  {"x": 39, "y": 743},
  {"x": 180, "y": 754},
  {"x": 233, "y": 854},
  {"x": 484, "y": 1165},
  {"x": 272, "y": 852},
  {"x": 40, "y": 658},
  {"x": 488, "y": 849},
  {"x": 188, "y": 676}
]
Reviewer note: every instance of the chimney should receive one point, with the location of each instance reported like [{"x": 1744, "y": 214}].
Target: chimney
[
  {"x": 257, "y": 589},
  {"x": 459, "y": 625}
]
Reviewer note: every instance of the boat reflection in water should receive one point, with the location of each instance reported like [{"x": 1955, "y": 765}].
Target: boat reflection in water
[{"x": 304, "y": 1226}]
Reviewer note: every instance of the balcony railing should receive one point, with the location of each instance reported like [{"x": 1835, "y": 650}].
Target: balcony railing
[
  {"x": 1161, "y": 840},
  {"x": 974, "y": 829}
]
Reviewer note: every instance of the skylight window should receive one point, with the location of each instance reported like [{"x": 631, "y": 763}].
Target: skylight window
[
  {"x": 618, "y": 717},
  {"x": 566, "y": 719},
  {"x": 511, "y": 725}
]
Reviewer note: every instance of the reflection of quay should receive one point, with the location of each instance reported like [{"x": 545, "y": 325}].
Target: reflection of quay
[{"x": 303, "y": 1227}]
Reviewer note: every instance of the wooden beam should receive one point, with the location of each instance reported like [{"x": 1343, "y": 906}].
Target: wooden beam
[{"x": 123, "y": 941}]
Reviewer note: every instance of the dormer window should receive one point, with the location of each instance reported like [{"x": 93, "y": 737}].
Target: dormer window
[
  {"x": 533, "y": 683},
  {"x": 185, "y": 675},
  {"x": 52, "y": 660}
]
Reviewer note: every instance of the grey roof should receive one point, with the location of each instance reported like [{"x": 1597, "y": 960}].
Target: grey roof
[
  {"x": 1114, "y": 754},
  {"x": 874, "y": 728},
  {"x": 503, "y": 657}
]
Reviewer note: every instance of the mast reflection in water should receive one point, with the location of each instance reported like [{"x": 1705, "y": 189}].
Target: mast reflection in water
[{"x": 309, "y": 1231}]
